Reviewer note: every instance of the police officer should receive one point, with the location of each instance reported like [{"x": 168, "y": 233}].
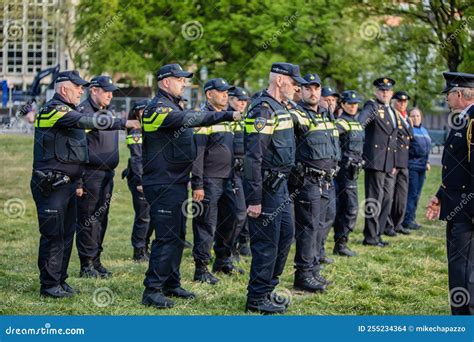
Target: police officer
[
  {"x": 313, "y": 155},
  {"x": 168, "y": 154},
  {"x": 400, "y": 196},
  {"x": 60, "y": 150},
  {"x": 238, "y": 101},
  {"x": 97, "y": 182},
  {"x": 269, "y": 157},
  {"x": 329, "y": 98},
  {"x": 453, "y": 201},
  {"x": 211, "y": 175},
  {"x": 141, "y": 231},
  {"x": 351, "y": 137},
  {"x": 380, "y": 123}
]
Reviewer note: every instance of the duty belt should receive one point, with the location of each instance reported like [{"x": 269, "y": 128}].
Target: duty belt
[{"x": 50, "y": 180}]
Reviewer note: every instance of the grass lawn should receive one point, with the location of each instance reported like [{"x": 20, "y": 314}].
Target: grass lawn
[{"x": 407, "y": 278}]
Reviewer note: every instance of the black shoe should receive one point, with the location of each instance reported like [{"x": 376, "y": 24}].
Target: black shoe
[
  {"x": 140, "y": 255},
  {"x": 385, "y": 243},
  {"x": 278, "y": 299},
  {"x": 412, "y": 226},
  {"x": 203, "y": 275},
  {"x": 319, "y": 278},
  {"x": 343, "y": 250},
  {"x": 227, "y": 269},
  {"x": 391, "y": 233},
  {"x": 377, "y": 244},
  {"x": 156, "y": 299},
  {"x": 103, "y": 272},
  {"x": 326, "y": 260},
  {"x": 403, "y": 231},
  {"x": 244, "y": 249},
  {"x": 308, "y": 284},
  {"x": 179, "y": 292},
  {"x": 67, "y": 288},
  {"x": 88, "y": 270},
  {"x": 264, "y": 306},
  {"x": 188, "y": 244},
  {"x": 55, "y": 292}
]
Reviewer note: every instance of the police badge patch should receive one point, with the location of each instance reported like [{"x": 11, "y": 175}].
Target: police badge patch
[{"x": 260, "y": 124}]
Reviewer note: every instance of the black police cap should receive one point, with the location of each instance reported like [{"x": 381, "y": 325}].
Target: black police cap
[
  {"x": 328, "y": 91},
  {"x": 240, "y": 93},
  {"x": 140, "y": 104},
  {"x": 71, "y": 75},
  {"x": 384, "y": 83},
  {"x": 312, "y": 79},
  {"x": 104, "y": 82},
  {"x": 172, "y": 70},
  {"x": 350, "y": 96},
  {"x": 401, "y": 95},
  {"x": 457, "y": 79},
  {"x": 288, "y": 69},
  {"x": 218, "y": 84}
]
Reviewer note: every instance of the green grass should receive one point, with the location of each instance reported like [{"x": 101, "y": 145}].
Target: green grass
[{"x": 407, "y": 278}]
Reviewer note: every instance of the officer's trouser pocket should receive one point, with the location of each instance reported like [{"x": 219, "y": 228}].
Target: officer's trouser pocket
[{"x": 50, "y": 224}]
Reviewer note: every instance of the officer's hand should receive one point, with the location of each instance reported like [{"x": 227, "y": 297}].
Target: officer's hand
[
  {"x": 433, "y": 208},
  {"x": 394, "y": 170},
  {"x": 254, "y": 210},
  {"x": 237, "y": 116},
  {"x": 80, "y": 192},
  {"x": 428, "y": 166},
  {"x": 140, "y": 188},
  {"x": 133, "y": 124},
  {"x": 198, "y": 195}
]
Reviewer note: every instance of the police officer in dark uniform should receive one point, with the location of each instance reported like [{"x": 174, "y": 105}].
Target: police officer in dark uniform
[
  {"x": 313, "y": 158},
  {"x": 60, "y": 150},
  {"x": 238, "y": 101},
  {"x": 351, "y": 137},
  {"x": 97, "y": 182},
  {"x": 168, "y": 154},
  {"x": 380, "y": 123},
  {"x": 141, "y": 231},
  {"x": 400, "y": 195},
  {"x": 269, "y": 157},
  {"x": 211, "y": 184},
  {"x": 454, "y": 200}
]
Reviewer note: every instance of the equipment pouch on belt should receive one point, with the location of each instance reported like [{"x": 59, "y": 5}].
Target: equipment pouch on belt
[
  {"x": 273, "y": 180},
  {"x": 50, "y": 181},
  {"x": 296, "y": 179}
]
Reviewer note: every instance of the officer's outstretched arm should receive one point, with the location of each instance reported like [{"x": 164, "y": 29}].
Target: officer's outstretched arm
[
  {"x": 71, "y": 119},
  {"x": 258, "y": 134},
  {"x": 134, "y": 143},
  {"x": 167, "y": 118}
]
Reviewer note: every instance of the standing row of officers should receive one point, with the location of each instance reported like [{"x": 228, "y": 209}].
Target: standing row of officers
[{"x": 245, "y": 174}]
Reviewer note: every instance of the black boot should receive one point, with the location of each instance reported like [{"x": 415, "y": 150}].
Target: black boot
[
  {"x": 264, "y": 306},
  {"x": 55, "y": 292},
  {"x": 340, "y": 248},
  {"x": 88, "y": 270},
  {"x": 178, "y": 292},
  {"x": 226, "y": 268},
  {"x": 139, "y": 255},
  {"x": 103, "y": 272},
  {"x": 66, "y": 287},
  {"x": 203, "y": 275},
  {"x": 403, "y": 231},
  {"x": 157, "y": 299},
  {"x": 308, "y": 283}
]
